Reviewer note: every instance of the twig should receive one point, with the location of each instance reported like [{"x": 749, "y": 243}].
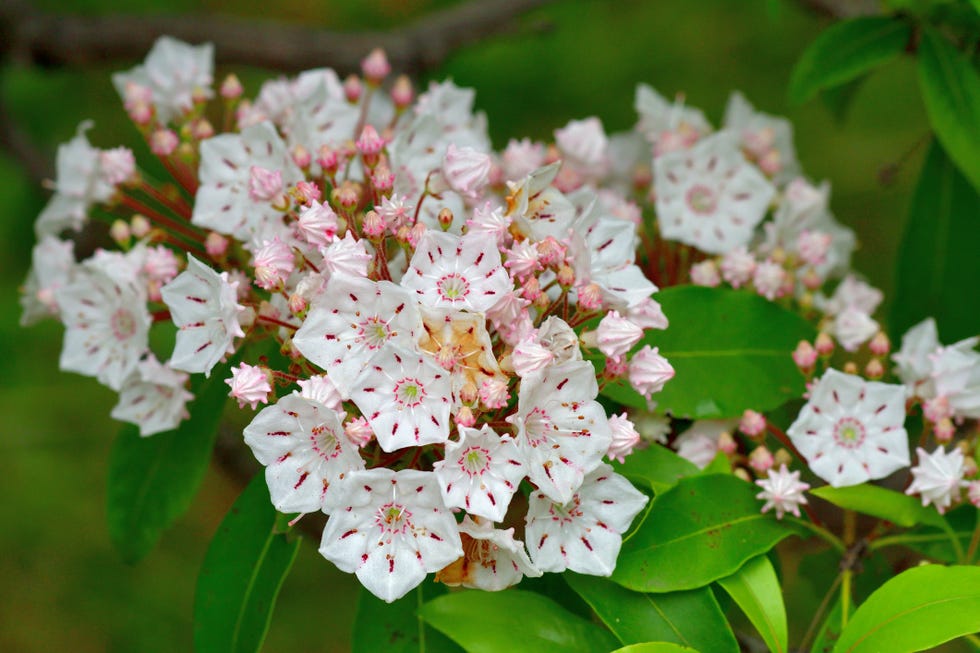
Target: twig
[
  {"x": 843, "y": 8},
  {"x": 48, "y": 39}
]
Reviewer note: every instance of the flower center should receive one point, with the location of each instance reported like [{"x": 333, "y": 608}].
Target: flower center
[
  {"x": 849, "y": 433},
  {"x": 536, "y": 427},
  {"x": 475, "y": 461},
  {"x": 702, "y": 199},
  {"x": 409, "y": 393},
  {"x": 373, "y": 332},
  {"x": 453, "y": 287},
  {"x": 393, "y": 518},
  {"x": 123, "y": 324},
  {"x": 324, "y": 442}
]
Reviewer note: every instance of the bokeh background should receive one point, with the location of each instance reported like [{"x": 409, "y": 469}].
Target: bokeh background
[{"x": 62, "y": 587}]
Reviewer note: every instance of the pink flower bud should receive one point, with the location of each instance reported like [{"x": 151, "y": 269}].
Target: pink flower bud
[
  {"x": 648, "y": 314},
  {"x": 529, "y": 356},
  {"x": 302, "y": 157},
  {"x": 824, "y": 344},
  {"x": 466, "y": 170},
  {"x": 273, "y": 264},
  {"x": 231, "y": 88},
  {"x": 768, "y": 278},
  {"x": 119, "y": 231},
  {"x": 590, "y": 297},
  {"x": 370, "y": 142},
  {"x": 493, "y": 393},
  {"x": 727, "y": 444},
  {"x": 805, "y": 356},
  {"x": 531, "y": 289},
  {"x": 359, "y": 432},
  {"x": 937, "y": 409},
  {"x": 770, "y": 163},
  {"x": 249, "y": 385},
  {"x": 160, "y": 264},
  {"x": 615, "y": 367},
  {"x": 737, "y": 267},
  {"x": 705, "y": 274},
  {"x": 813, "y": 246},
  {"x": 758, "y": 141},
  {"x": 944, "y": 430},
  {"x": 347, "y": 195},
  {"x": 880, "y": 345},
  {"x": 402, "y": 93},
  {"x": 140, "y": 226},
  {"x": 264, "y": 185},
  {"x": 328, "y": 159},
  {"x": 973, "y": 492},
  {"x": 649, "y": 371},
  {"x": 445, "y": 218},
  {"x": 551, "y": 252},
  {"x": 297, "y": 304},
  {"x": 566, "y": 276},
  {"x": 752, "y": 424},
  {"x": 583, "y": 141},
  {"x": 307, "y": 192},
  {"x": 465, "y": 417},
  {"x": 761, "y": 459},
  {"x": 811, "y": 279},
  {"x": 383, "y": 179},
  {"x": 375, "y": 66},
  {"x": 318, "y": 224},
  {"x": 874, "y": 369},
  {"x": 117, "y": 165},
  {"x": 624, "y": 438},
  {"x": 215, "y": 244},
  {"x": 163, "y": 142},
  {"x": 374, "y": 225},
  {"x": 616, "y": 335},
  {"x": 353, "y": 88}
]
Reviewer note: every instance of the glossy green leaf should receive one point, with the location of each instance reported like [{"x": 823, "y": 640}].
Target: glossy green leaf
[
  {"x": 153, "y": 480},
  {"x": 656, "y": 647},
  {"x": 515, "y": 621},
  {"x": 898, "y": 508},
  {"x": 916, "y": 610},
  {"x": 703, "y": 529},
  {"x": 951, "y": 90},
  {"x": 839, "y": 99},
  {"x": 731, "y": 350},
  {"x": 937, "y": 264},
  {"x": 246, "y": 564},
  {"x": 756, "y": 590},
  {"x": 845, "y": 51},
  {"x": 655, "y": 467},
  {"x": 396, "y": 627},
  {"x": 690, "y": 618}
]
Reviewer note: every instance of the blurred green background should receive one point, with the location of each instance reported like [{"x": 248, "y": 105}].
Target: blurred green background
[{"x": 63, "y": 587}]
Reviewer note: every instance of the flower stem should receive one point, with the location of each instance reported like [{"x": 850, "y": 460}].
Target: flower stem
[{"x": 850, "y": 529}]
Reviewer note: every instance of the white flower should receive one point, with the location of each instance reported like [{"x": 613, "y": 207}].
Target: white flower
[
  {"x": 52, "y": 266},
  {"x": 710, "y": 196},
  {"x": 649, "y": 371},
  {"x": 616, "y": 335},
  {"x": 561, "y": 431},
  {"x": 956, "y": 373},
  {"x": 493, "y": 560},
  {"x": 322, "y": 390},
  {"x": 699, "y": 443},
  {"x": 658, "y": 116},
  {"x": 78, "y": 185},
  {"x": 390, "y": 529},
  {"x": 405, "y": 397},
  {"x": 466, "y": 170},
  {"x": 457, "y": 272},
  {"x": 347, "y": 255},
  {"x": 480, "y": 473},
  {"x": 852, "y": 328},
  {"x": 624, "y": 438},
  {"x": 106, "y": 323},
  {"x": 938, "y": 478},
  {"x": 249, "y": 385},
  {"x": 763, "y": 135},
  {"x": 737, "y": 266},
  {"x": 537, "y": 208},
  {"x": 521, "y": 158},
  {"x": 349, "y": 323},
  {"x": 584, "y": 533},
  {"x": 305, "y": 451},
  {"x": 584, "y": 143},
  {"x": 174, "y": 71},
  {"x": 854, "y": 294},
  {"x": 913, "y": 361},
  {"x": 852, "y": 430},
  {"x": 783, "y": 491},
  {"x": 154, "y": 398},
  {"x": 203, "y": 305}
]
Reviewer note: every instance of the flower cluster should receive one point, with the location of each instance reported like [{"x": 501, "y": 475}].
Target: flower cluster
[{"x": 437, "y": 307}]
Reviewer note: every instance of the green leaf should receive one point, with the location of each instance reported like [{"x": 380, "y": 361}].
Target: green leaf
[
  {"x": 845, "y": 51},
  {"x": 656, "y": 647},
  {"x": 655, "y": 467},
  {"x": 246, "y": 564},
  {"x": 690, "y": 618},
  {"x": 898, "y": 508},
  {"x": 951, "y": 90},
  {"x": 756, "y": 590},
  {"x": 396, "y": 627},
  {"x": 703, "y": 529},
  {"x": 515, "y": 621},
  {"x": 937, "y": 258},
  {"x": 917, "y": 610},
  {"x": 839, "y": 99},
  {"x": 730, "y": 349},
  {"x": 153, "y": 480}
]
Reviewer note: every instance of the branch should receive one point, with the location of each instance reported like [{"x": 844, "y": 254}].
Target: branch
[
  {"x": 843, "y": 8},
  {"x": 48, "y": 39}
]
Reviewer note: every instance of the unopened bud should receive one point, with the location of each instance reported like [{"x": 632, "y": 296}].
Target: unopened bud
[
  {"x": 782, "y": 457},
  {"x": 163, "y": 142},
  {"x": 353, "y": 88},
  {"x": 874, "y": 369},
  {"x": 347, "y": 195},
  {"x": 445, "y": 218},
  {"x": 139, "y": 226},
  {"x": 203, "y": 129},
  {"x": 811, "y": 279},
  {"x": 215, "y": 244},
  {"x": 120, "y": 232},
  {"x": 824, "y": 344},
  {"x": 200, "y": 95},
  {"x": 328, "y": 159},
  {"x": 805, "y": 356},
  {"x": 231, "y": 88},
  {"x": 880, "y": 345},
  {"x": 375, "y": 66},
  {"x": 374, "y": 225},
  {"x": 382, "y": 179},
  {"x": 739, "y": 472},
  {"x": 297, "y": 304},
  {"x": 761, "y": 459},
  {"x": 850, "y": 367},
  {"x": 402, "y": 93},
  {"x": 727, "y": 443},
  {"x": 752, "y": 424},
  {"x": 302, "y": 157},
  {"x": 566, "y": 276},
  {"x": 945, "y": 430}
]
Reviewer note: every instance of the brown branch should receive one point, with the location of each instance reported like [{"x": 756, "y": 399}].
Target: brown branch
[
  {"x": 843, "y": 8},
  {"x": 64, "y": 40}
]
